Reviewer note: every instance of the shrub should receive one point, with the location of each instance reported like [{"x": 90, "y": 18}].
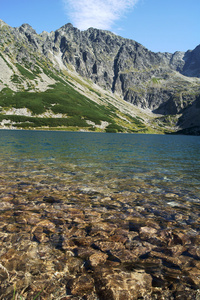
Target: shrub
[{"x": 25, "y": 72}]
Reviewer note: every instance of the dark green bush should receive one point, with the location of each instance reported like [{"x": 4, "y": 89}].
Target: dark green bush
[
  {"x": 25, "y": 72},
  {"x": 114, "y": 128}
]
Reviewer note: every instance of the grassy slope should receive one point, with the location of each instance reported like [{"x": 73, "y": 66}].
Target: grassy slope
[
  {"x": 75, "y": 107},
  {"x": 70, "y": 96},
  {"x": 74, "y": 100}
]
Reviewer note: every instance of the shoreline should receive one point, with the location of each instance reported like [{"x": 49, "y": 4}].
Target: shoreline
[{"x": 81, "y": 130}]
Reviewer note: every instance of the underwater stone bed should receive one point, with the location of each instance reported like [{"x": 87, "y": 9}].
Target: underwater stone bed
[{"x": 69, "y": 243}]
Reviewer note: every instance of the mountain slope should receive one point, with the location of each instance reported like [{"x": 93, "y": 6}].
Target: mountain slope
[{"x": 102, "y": 70}]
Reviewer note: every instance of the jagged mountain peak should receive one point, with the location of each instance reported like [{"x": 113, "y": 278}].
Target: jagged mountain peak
[
  {"x": 165, "y": 83},
  {"x": 68, "y": 28},
  {"x": 26, "y": 28},
  {"x": 68, "y": 25}
]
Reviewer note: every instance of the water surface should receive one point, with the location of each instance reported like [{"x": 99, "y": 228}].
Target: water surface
[
  {"x": 99, "y": 208},
  {"x": 128, "y": 163}
]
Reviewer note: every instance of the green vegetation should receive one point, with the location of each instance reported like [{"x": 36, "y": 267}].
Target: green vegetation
[
  {"x": 155, "y": 80},
  {"x": 168, "y": 120},
  {"x": 25, "y": 72},
  {"x": 32, "y": 101},
  {"x": 16, "y": 79},
  {"x": 60, "y": 98},
  {"x": 35, "y": 122},
  {"x": 6, "y": 62},
  {"x": 93, "y": 91},
  {"x": 75, "y": 108},
  {"x": 114, "y": 128}
]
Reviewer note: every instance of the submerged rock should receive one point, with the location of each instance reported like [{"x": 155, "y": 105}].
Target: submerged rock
[
  {"x": 118, "y": 284},
  {"x": 105, "y": 247}
]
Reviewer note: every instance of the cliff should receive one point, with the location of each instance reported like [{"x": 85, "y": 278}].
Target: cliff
[{"x": 164, "y": 84}]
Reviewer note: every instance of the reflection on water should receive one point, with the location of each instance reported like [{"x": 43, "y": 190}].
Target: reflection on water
[{"x": 120, "y": 162}]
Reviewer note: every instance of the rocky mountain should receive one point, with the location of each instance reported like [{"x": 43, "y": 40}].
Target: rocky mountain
[{"x": 130, "y": 88}]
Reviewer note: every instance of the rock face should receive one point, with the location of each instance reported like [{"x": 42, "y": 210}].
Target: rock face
[
  {"x": 192, "y": 63},
  {"x": 165, "y": 83}
]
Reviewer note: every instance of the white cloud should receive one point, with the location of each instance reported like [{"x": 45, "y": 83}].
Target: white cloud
[{"x": 96, "y": 13}]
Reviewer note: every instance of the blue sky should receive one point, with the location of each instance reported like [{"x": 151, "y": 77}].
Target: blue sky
[{"x": 159, "y": 25}]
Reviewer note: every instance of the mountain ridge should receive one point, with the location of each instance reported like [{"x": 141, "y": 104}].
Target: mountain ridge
[{"x": 164, "y": 83}]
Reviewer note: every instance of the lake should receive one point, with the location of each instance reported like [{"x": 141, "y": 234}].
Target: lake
[
  {"x": 116, "y": 162},
  {"x": 99, "y": 215}
]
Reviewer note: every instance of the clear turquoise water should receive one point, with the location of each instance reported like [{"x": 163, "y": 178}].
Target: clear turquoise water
[{"x": 116, "y": 162}]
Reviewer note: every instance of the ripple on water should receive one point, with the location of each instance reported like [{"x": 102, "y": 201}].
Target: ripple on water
[{"x": 99, "y": 209}]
